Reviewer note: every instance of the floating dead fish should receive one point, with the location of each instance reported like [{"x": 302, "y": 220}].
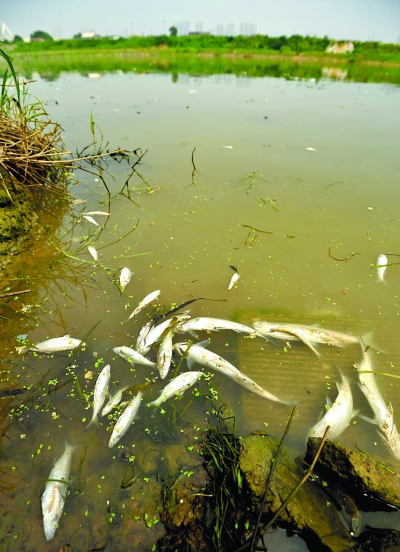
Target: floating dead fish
[
  {"x": 146, "y": 301},
  {"x": 197, "y": 353},
  {"x": 133, "y": 356},
  {"x": 90, "y": 219},
  {"x": 57, "y": 344},
  {"x": 156, "y": 332},
  {"x": 381, "y": 263},
  {"x": 338, "y": 415},
  {"x": 100, "y": 394},
  {"x": 77, "y": 201},
  {"x": 164, "y": 354},
  {"x": 234, "y": 278},
  {"x": 93, "y": 251},
  {"x": 55, "y": 492},
  {"x": 213, "y": 325},
  {"x": 97, "y": 213},
  {"x": 125, "y": 420},
  {"x": 113, "y": 401},
  {"x": 144, "y": 332},
  {"x": 311, "y": 149},
  {"x": 177, "y": 387},
  {"x": 125, "y": 277},
  {"x": 312, "y": 333}
]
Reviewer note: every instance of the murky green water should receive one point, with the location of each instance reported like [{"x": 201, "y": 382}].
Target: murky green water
[{"x": 254, "y": 168}]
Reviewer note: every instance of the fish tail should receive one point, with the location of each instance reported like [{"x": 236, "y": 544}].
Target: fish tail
[
  {"x": 93, "y": 421},
  {"x": 368, "y": 339}
]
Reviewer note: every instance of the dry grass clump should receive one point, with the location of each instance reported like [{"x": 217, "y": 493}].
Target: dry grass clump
[{"x": 32, "y": 153}]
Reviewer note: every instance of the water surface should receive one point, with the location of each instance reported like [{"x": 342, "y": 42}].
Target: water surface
[{"x": 289, "y": 174}]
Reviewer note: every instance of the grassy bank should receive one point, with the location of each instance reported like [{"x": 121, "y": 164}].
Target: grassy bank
[
  {"x": 266, "y": 45},
  {"x": 51, "y": 63}
]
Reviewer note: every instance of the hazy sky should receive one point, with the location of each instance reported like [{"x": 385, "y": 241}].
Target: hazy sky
[{"x": 342, "y": 19}]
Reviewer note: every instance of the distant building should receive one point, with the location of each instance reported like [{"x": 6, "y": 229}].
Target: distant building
[
  {"x": 220, "y": 30},
  {"x": 230, "y": 30},
  {"x": 340, "y": 48},
  {"x": 198, "y": 27},
  {"x": 248, "y": 29},
  {"x": 91, "y": 34},
  {"x": 183, "y": 28},
  {"x": 196, "y": 33}
]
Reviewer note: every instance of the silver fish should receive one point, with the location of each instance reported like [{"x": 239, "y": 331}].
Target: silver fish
[
  {"x": 113, "y": 401},
  {"x": 125, "y": 420},
  {"x": 100, "y": 394},
  {"x": 55, "y": 492},
  {"x": 197, "y": 353},
  {"x": 164, "y": 354},
  {"x": 156, "y": 332},
  {"x": 338, "y": 415},
  {"x": 93, "y": 251},
  {"x": 365, "y": 371},
  {"x": 147, "y": 300},
  {"x": 384, "y": 419},
  {"x": 177, "y": 387},
  {"x": 312, "y": 333},
  {"x": 125, "y": 277},
  {"x": 233, "y": 281},
  {"x": 56, "y": 344},
  {"x": 213, "y": 325},
  {"x": 133, "y": 356},
  {"x": 381, "y": 261},
  {"x": 90, "y": 219},
  {"x": 144, "y": 332},
  {"x": 97, "y": 213}
]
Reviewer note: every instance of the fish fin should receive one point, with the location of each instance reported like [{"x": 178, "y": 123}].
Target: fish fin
[
  {"x": 321, "y": 414},
  {"x": 368, "y": 339},
  {"x": 366, "y": 419},
  {"x": 204, "y": 343},
  {"x": 93, "y": 421},
  {"x": 193, "y": 334},
  {"x": 190, "y": 363},
  {"x": 355, "y": 413},
  {"x": 329, "y": 401}
]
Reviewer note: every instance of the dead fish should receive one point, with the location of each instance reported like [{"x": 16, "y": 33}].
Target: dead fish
[
  {"x": 381, "y": 263},
  {"x": 113, "y": 401},
  {"x": 312, "y": 333},
  {"x": 234, "y": 278},
  {"x": 90, "y": 219},
  {"x": 125, "y": 420},
  {"x": 97, "y": 213},
  {"x": 383, "y": 419},
  {"x": 296, "y": 332},
  {"x": 213, "y": 325},
  {"x": 197, "y": 353},
  {"x": 133, "y": 356},
  {"x": 100, "y": 394},
  {"x": 57, "y": 344},
  {"x": 55, "y": 492},
  {"x": 93, "y": 251},
  {"x": 146, "y": 301},
  {"x": 164, "y": 354},
  {"x": 339, "y": 413},
  {"x": 125, "y": 277},
  {"x": 177, "y": 387},
  {"x": 156, "y": 332},
  {"x": 144, "y": 332}
]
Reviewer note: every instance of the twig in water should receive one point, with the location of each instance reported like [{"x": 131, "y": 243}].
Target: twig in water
[
  {"x": 269, "y": 479},
  {"x": 332, "y": 183},
  {"x": 12, "y": 293},
  {"x": 194, "y": 168},
  {"x": 341, "y": 260}
]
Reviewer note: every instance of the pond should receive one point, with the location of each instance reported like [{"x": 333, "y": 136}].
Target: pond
[{"x": 292, "y": 181}]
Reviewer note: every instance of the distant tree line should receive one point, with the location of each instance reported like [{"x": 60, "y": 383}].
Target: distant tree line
[{"x": 282, "y": 44}]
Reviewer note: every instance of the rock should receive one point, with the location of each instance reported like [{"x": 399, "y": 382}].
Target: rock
[
  {"x": 371, "y": 486},
  {"x": 380, "y": 540},
  {"x": 310, "y": 511},
  {"x": 184, "y": 511}
]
